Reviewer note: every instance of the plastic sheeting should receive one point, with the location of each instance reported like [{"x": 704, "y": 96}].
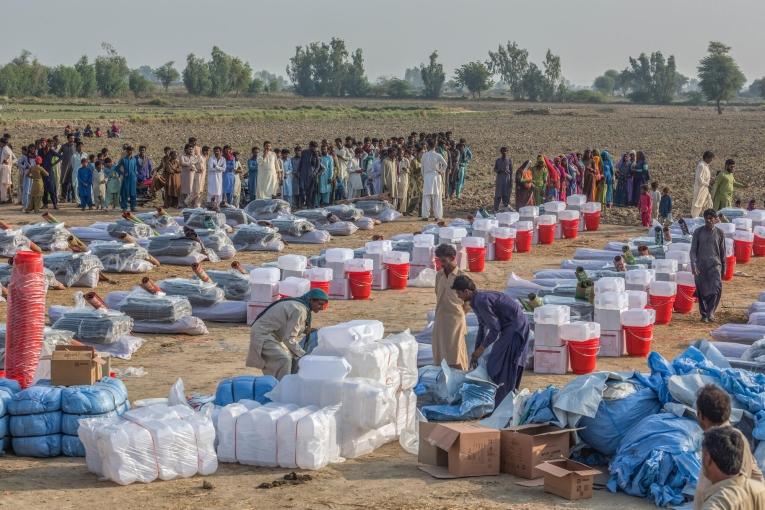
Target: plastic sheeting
[
  {"x": 203, "y": 219},
  {"x": 74, "y": 269},
  {"x": 346, "y": 212},
  {"x": 254, "y": 237},
  {"x": 365, "y": 223},
  {"x": 149, "y": 443},
  {"x": 198, "y": 293},
  {"x": 267, "y": 209},
  {"x": 223, "y": 311},
  {"x": 235, "y": 285},
  {"x": 339, "y": 228},
  {"x": 314, "y": 237},
  {"x": 593, "y": 265},
  {"x": 292, "y": 225},
  {"x": 244, "y": 387},
  {"x": 173, "y": 245},
  {"x": 146, "y": 307},
  {"x": 12, "y": 241},
  {"x": 136, "y": 230},
  {"x": 740, "y": 333},
  {"x": 217, "y": 241},
  {"x": 426, "y": 279},
  {"x": 659, "y": 459},
  {"x": 234, "y": 216},
  {"x": 94, "y": 326},
  {"x": 48, "y": 236},
  {"x": 50, "y": 277},
  {"x": 118, "y": 257},
  {"x": 35, "y": 421}
]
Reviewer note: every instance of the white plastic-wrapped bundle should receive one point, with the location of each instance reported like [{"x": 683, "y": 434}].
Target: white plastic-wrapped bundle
[
  {"x": 286, "y": 436},
  {"x": 74, "y": 269},
  {"x": 226, "y": 427},
  {"x": 406, "y": 409},
  {"x": 374, "y": 360},
  {"x": 356, "y": 442},
  {"x": 136, "y": 230},
  {"x": 254, "y": 237},
  {"x": 341, "y": 336},
  {"x": 407, "y": 357},
  {"x": 12, "y": 241},
  {"x": 256, "y": 434},
  {"x": 149, "y": 443},
  {"x": 316, "y": 439},
  {"x": 198, "y": 293},
  {"x": 48, "y": 236}
]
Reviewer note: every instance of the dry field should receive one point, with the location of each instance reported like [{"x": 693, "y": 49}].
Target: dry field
[{"x": 389, "y": 477}]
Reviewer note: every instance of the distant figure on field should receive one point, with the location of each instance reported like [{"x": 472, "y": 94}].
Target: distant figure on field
[
  {"x": 722, "y": 189},
  {"x": 503, "y": 180},
  {"x": 702, "y": 200},
  {"x": 433, "y": 169}
]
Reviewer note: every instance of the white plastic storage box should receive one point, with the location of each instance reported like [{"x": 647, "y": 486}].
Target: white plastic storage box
[
  {"x": 426, "y": 240},
  {"x": 612, "y": 343},
  {"x": 338, "y": 254},
  {"x": 591, "y": 207},
  {"x": 743, "y": 224},
  {"x": 552, "y": 314},
  {"x": 396, "y": 257},
  {"x": 579, "y": 331},
  {"x": 664, "y": 289},
  {"x": 451, "y": 234},
  {"x": 685, "y": 278},
  {"x": 727, "y": 228},
  {"x": 358, "y": 265},
  {"x": 576, "y": 200},
  {"x": 612, "y": 300},
  {"x": 637, "y": 298},
  {"x": 379, "y": 246},
  {"x": 638, "y": 317},
  {"x": 568, "y": 215},
  {"x": 319, "y": 274},
  {"x": 665, "y": 266},
  {"x": 554, "y": 207},
  {"x": 294, "y": 287},
  {"x": 551, "y": 360},
  {"x": 473, "y": 242},
  {"x": 508, "y": 218},
  {"x": 503, "y": 233},
  {"x": 292, "y": 262},
  {"x": 523, "y": 226},
  {"x": 547, "y": 219},
  {"x": 609, "y": 284},
  {"x": 265, "y": 275}
]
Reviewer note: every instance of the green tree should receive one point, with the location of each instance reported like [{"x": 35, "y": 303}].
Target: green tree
[
  {"x": 65, "y": 81},
  {"x": 413, "y": 75},
  {"x": 167, "y": 74},
  {"x": 356, "y": 82},
  {"x": 321, "y": 69},
  {"x": 241, "y": 76},
  {"x": 256, "y": 87},
  {"x": 510, "y": 63},
  {"x": 553, "y": 76},
  {"x": 719, "y": 75},
  {"x": 475, "y": 77},
  {"x": 220, "y": 66},
  {"x": 398, "y": 88},
  {"x": 87, "y": 74},
  {"x": 433, "y": 77},
  {"x": 652, "y": 79},
  {"x": 196, "y": 76},
  {"x": 24, "y": 76},
  {"x": 138, "y": 84},
  {"x": 111, "y": 72},
  {"x": 533, "y": 84},
  {"x": 604, "y": 84}
]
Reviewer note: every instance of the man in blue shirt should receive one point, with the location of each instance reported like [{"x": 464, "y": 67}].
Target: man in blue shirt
[{"x": 127, "y": 167}]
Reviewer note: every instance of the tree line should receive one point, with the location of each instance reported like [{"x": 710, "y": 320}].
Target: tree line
[{"x": 331, "y": 69}]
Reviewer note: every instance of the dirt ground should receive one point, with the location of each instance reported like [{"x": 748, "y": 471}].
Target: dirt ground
[{"x": 389, "y": 477}]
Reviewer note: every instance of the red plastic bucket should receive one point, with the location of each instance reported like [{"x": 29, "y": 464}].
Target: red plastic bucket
[
  {"x": 663, "y": 307},
  {"x": 546, "y": 234},
  {"x": 523, "y": 241},
  {"x": 323, "y": 286},
  {"x": 685, "y": 298},
  {"x": 398, "y": 276},
  {"x": 759, "y": 246},
  {"x": 476, "y": 259},
  {"x": 638, "y": 340},
  {"x": 361, "y": 284},
  {"x": 503, "y": 248},
  {"x": 592, "y": 221},
  {"x": 730, "y": 268},
  {"x": 742, "y": 251},
  {"x": 583, "y": 355},
  {"x": 569, "y": 228}
]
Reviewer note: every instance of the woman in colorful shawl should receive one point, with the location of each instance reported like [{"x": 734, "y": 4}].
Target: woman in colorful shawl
[
  {"x": 553, "y": 181},
  {"x": 631, "y": 158},
  {"x": 524, "y": 186},
  {"x": 620, "y": 194},
  {"x": 590, "y": 177},
  {"x": 573, "y": 174},
  {"x": 560, "y": 165},
  {"x": 640, "y": 176},
  {"x": 608, "y": 179},
  {"x": 539, "y": 179}
]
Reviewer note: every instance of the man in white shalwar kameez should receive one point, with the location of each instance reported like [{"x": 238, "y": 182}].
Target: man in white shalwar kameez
[
  {"x": 267, "y": 185},
  {"x": 433, "y": 169},
  {"x": 216, "y": 165},
  {"x": 702, "y": 200}
]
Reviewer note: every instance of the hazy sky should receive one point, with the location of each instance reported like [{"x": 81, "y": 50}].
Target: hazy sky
[{"x": 589, "y": 35}]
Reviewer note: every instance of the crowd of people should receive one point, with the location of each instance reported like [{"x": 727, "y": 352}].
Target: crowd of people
[{"x": 415, "y": 173}]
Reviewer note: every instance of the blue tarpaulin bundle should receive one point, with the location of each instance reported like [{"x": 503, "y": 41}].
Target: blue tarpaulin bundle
[
  {"x": 8, "y": 387},
  {"x": 244, "y": 387},
  {"x": 477, "y": 401},
  {"x": 659, "y": 458}
]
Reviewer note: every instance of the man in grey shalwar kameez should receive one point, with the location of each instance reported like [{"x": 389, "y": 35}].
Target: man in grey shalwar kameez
[
  {"x": 503, "y": 181},
  {"x": 708, "y": 264}
]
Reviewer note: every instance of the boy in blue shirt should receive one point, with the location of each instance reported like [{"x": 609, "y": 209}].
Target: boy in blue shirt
[{"x": 85, "y": 184}]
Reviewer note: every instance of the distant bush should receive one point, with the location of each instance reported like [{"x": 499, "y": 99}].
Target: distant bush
[
  {"x": 695, "y": 98},
  {"x": 157, "y": 101},
  {"x": 585, "y": 96}
]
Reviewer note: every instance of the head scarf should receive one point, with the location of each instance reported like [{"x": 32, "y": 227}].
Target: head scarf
[
  {"x": 305, "y": 300},
  {"x": 540, "y": 162}
]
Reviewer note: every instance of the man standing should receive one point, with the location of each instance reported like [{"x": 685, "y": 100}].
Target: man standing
[
  {"x": 127, "y": 168},
  {"x": 276, "y": 334},
  {"x": 268, "y": 180},
  {"x": 702, "y": 200},
  {"x": 722, "y": 454},
  {"x": 307, "y": 171},
  {"x": 415, "y": 182},
  {"x": 713, "y": 410},
  {"x": 390, "y": 175},
  {"x": 708, "y": 264},
  {"x": 503, "y": 180},
  {"x": 216, "y": 165},
  {"x": 49, "y": 159},
  {"x": 344, "y": 155},
  {"x": 449, "y": 327},
  {"x": 67, "y": 152},
  {"x": 503, "y": 327},
  {"x": 189, "y": 165},
  {"x": 79, "y": 154},
  {"x": 433, "y": 170}
]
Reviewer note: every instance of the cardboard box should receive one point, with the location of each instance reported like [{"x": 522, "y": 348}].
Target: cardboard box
[
  {"x": 264, "y": 292},
  {"x": 340, "y": 289},
  {"x": 456, "y": 450},
  {"x": 255, "y": 308},
  {"x": 423, "y": 255},
  {"x": 547, "y": 335},
  {"x": 338, "y": 269},
  {"x": 568, "y": 479},
  {"x": 380, "y": 279},
  {"x": 551, "y": 359},
  {"x": 609, "y": 319},
  {"x": 612, "y": 343},
  {"x": 526, "y": 446},
  {"x": 75, "y": 364}
]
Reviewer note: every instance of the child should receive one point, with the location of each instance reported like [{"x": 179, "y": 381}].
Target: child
[
  {"x": 619, "y": 264},
  {"x": 665, "y": 206},
  {"x": 643, "y": 252},
  {"x": 85, "y": 184},
  {"x": 113, "y": 184},
  {"x": 629, "y": 258},
  {"x": 99, "y": 185},
  {"x": 36, "y": 189},
  {"x": 288, "y": 172},
  {"x": 644, "y": 206},
  {"x": 655, "y": 199}
]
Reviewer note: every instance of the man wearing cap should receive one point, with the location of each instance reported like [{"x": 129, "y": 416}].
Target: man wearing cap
[
  {"x": 708, "y": 264},
  {"x": 276, "y": 334}
]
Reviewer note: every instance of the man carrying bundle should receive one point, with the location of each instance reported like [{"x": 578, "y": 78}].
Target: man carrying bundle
[{"x": 276, "y": 334}]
